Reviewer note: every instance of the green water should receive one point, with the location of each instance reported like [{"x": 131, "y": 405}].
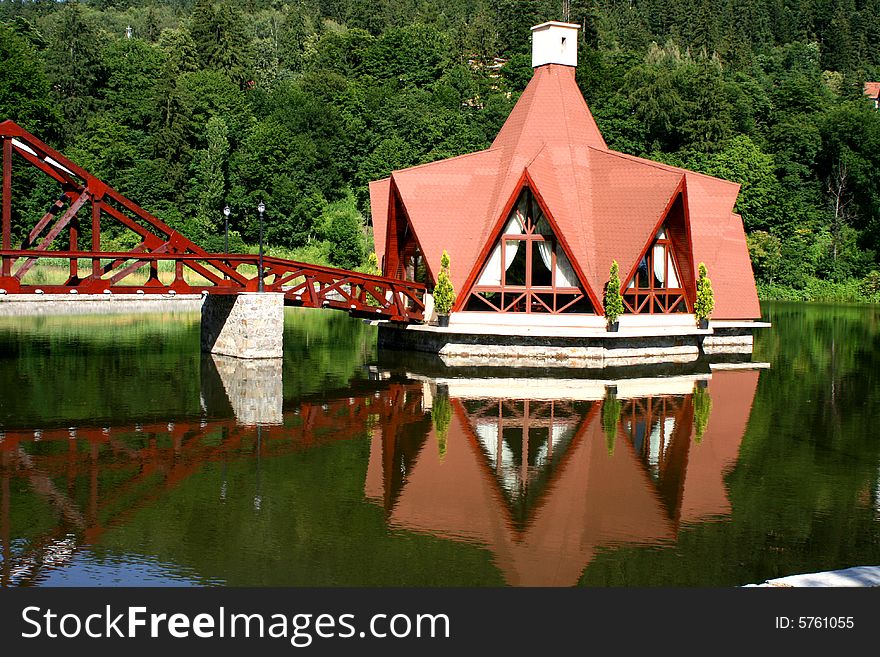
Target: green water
[{"x": 127, "y": 458}]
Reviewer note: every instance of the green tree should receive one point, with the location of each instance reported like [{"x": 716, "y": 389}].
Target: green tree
[
  {"x": 840, "y": 44},
  {"x": 740, "y": 160},
  {"x": 24, "y": 89},
  {"x": 221, "y": 37},
  {"x": 765, "y": 251},
  {"x": 684, "y": 101},
  {"x": 414, "y": 55},
  {"x": 343, "y": 52},
  {"x": 132, "y": 68},
  {"x": 106, "y": 148},
  {"x": 343, "y": 228},
  {"x": 74, "y": 63},
  {"x": 211, "y": 165}
]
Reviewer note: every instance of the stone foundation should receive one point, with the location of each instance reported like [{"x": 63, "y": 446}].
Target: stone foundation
[
  {"x": 564, "y": 348},
  {"x": 245, "y": 325},
  {"x": 729, "y": 341}
]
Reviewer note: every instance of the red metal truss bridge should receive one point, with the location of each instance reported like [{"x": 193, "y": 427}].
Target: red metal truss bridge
[{"x": 137, "y": 270}]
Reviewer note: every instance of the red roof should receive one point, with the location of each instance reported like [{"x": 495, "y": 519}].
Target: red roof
[
  {"x": 379, "y": 196},
  {"x": 872, "y": 89},
  {"x": 606, "y": 205}
]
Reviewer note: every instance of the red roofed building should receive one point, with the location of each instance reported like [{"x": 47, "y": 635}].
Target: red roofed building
[
  {"x": 872, "y": 91},
  {"x": 533, "y": 223}
]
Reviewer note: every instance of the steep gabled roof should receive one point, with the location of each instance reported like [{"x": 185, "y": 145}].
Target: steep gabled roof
[
  {"x": 379, "y": 202},
  {"x": 448, "y": 205},
  {"x": 551, "y": 109},
  {"x": 606, "y": 204},
  {"x": 872, "y": 89}
]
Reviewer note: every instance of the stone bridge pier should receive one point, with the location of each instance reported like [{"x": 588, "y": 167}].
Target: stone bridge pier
[
  {"x": 244, "y": 325},
  {"x": 243, "y": 335}
]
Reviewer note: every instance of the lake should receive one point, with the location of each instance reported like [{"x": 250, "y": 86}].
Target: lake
[{"x": 129, "y": 458}]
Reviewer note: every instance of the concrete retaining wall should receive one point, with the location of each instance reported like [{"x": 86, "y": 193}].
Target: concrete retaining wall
[
  {"x": 589, "y": 351},
  {"x": 29, "y": 305},
  {"x": 729, "y": 341}
]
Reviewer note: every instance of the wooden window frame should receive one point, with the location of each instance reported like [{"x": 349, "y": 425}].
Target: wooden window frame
[
  {"x": 544, "y": 300},
  {"x": 643, "y": 300}
]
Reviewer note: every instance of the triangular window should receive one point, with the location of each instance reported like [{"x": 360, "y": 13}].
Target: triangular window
[
  {"x": 656, "y": 285},
  {"x": 524, "y": 443},
  {"x": 527, "y": 270}
]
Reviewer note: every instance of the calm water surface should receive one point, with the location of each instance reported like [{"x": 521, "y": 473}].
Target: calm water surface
[{"x": 128, "y": 458}]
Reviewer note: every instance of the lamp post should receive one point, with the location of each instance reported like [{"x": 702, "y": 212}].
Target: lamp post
[
  {"x": 258, "y": 496},
  {"x": 226, "y": 212},
  {"x": 261, "y": 208}
]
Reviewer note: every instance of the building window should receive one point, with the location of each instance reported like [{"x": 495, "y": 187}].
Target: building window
[
  {"x": 527, "y": 270},
  {"x": 656, "y": 285},
  {"x": 524, "y": 443}
]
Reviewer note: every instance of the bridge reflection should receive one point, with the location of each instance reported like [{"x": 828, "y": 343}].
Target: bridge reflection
[
  {"x": 543, "y": 477},
  {"x": 69, "y": 467}
]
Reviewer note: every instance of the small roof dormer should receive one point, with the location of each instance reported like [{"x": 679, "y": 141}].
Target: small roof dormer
[{"x": 554, "y": 43}]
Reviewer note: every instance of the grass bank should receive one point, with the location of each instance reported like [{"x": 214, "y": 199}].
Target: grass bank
[{"x": 866, "y": 290}]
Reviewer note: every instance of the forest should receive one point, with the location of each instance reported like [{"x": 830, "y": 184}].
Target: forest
[{"x": 187, "y": 106}]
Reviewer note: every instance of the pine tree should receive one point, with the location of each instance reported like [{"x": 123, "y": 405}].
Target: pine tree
[
  {"x": 73, "y": 64},
  {"x": 221, "y": 37},
  {"x": 705, "y": 303},
  {"x": 613, "y": 299},
  {"x": 444, "y": 293},
  {"x": 213, "y": 173}
]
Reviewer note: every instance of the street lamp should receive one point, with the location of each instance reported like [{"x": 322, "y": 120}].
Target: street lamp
[
  {"x": 226, "y": 212},
  {"x": 261, "y": 208}
]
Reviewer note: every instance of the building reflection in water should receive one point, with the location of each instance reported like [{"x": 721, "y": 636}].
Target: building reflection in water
[
  {"x": 544, "y": 484},
  {"x": 542, "y": 477}
]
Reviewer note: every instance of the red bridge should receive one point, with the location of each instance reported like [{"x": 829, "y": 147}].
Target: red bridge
[{"x": 96, "y": 271}]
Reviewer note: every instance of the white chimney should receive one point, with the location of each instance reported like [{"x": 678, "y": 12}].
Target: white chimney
[{"x": 555, "y": 43}]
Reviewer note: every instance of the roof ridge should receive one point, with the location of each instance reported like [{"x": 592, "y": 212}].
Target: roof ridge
[
  {"x": 592, "y": 118},
  {"x": 663, "y": 166},
  {"x": 579, "y": 223},
  {"x": 527, "y": 104},
  {"x": 491, "y": 149}
]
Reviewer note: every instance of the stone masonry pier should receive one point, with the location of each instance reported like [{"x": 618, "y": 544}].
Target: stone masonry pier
[{"x": 245, "y": 325}]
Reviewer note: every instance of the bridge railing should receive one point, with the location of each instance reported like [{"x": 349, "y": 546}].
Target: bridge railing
[{"x": 302, "y": 284}]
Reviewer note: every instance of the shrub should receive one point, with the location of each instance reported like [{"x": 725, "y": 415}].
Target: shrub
[
  {"x": 441, "y": 415},
  {"x": 870, "y": 285},
  {"x": 702, "y": 410},
  {"x": 444, "y": 293},
  {"x": 852, "y": 290},
  {"x": 610, "y": 418},
  {"x": 373, "y": 264},
  {"x": 705, "y": 303},
  {"x": 613, "y": 301}
]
